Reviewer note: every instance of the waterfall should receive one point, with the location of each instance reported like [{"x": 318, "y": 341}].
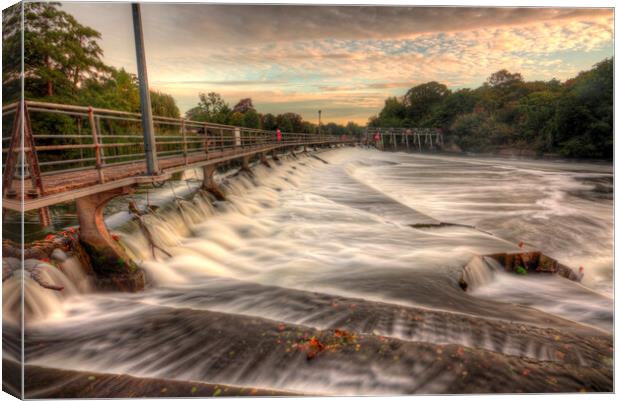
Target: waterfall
[{"x": 478, "y": 272}]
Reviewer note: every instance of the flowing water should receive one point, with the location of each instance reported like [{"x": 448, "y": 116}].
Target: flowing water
[{"x": 350, "y": 241}]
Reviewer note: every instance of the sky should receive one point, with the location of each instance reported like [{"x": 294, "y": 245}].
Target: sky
[{"x": 343, "y": 60}]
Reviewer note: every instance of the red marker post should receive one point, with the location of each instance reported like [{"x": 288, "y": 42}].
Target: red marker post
[{"x": 279, "y": 135}]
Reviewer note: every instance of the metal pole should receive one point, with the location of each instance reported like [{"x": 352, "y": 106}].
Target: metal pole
[
  {"x": 150, "y": 148},
  {"x": 319, "y": 122}
]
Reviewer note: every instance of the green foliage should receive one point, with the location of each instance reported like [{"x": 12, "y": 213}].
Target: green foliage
[
  {"x": 163, "y": 104},
  {"x": 236, "y": 118},
  {"x": 520, "y": 270},
  {"x": 270, "y": 122},
  {"x": 290, "y": 122},
  {"x": 251, "y": 119},
  {"x": 420, "y": 101},
  {"x": 59, "y": 52},
  {"x": 62, "y": 64},
  {"x": 211, "y": 108},
  {"x": 572, "y": 119}
]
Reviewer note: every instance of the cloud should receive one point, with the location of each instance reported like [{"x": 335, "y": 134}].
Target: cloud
[
  {"x": 301, "y": 58},
  {"x": 220, "y": 83},
  {"x": 244, "y": 24}
]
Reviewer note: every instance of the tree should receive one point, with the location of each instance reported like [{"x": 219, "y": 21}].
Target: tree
[
  {"x": 251, "y": 119},
  {"x": 420, "y": 100},
  {"x": 460, "y": 102},
  {"x": 537, "y": 111},
  {"x": 583, "y": 123},
  {"x": 119, "y": 92},
  {"x": 290, "y": 122},
  {"x": 270, "y": 122},
  {"x": 503, "y": 78},
  {"x": 59, "y": 53},
  {"x": 244, "y": 105},
  {"x": 354, "y": 129},
  {"x": 236, "y": 119},
  {"x": 393, "y": 113},
  {"x": 164, "y": 105},
  {"x": 309, "y": 128},
  {"x": 210, "y": 108}
]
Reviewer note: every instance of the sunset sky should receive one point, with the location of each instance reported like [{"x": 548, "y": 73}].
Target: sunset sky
[{"x": 343, "y": 60}]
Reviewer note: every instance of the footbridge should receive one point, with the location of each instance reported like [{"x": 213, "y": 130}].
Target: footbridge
[
  {"x": 410, "y": 139},
  {"x": 90, "y": 155}
]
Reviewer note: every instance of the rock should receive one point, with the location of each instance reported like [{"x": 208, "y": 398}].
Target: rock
[{"x": 58, "y": 255}]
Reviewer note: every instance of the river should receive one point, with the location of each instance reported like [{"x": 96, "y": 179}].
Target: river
[{"x": 331, "y": 274}]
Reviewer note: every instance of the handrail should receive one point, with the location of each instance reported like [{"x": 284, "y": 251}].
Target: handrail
[{"x": 95, "y": 138}]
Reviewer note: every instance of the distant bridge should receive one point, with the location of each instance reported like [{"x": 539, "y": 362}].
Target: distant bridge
[{"x": 405, "y": 138}]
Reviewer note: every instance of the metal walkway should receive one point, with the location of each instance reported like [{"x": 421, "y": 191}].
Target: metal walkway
[{"x": 73, "y": 151}]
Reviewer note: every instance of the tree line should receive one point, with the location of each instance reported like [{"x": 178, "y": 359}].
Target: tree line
[
  {"x": 212, "y": 108},
  {"x": 572, "y": 118}
]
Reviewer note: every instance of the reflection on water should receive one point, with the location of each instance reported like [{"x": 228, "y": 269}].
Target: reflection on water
[{"x": 305, "y": 248}]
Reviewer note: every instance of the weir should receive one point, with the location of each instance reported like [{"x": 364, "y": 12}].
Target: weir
[{"x": 110, "y": 161}]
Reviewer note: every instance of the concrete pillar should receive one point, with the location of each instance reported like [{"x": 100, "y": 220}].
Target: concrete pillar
[
  {"x": 263, "y": 160},
  {"x": 109, "y": 260},
  {"x": 245, "y": 163},
  {"x": 209, "y": 184}
]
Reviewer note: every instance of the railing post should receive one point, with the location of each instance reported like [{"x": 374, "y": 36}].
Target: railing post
[
  {"x": 238, "y": 140},
  {"x": 184, "y": 140},
  {"x": 93, "y": 128},
  {"x": 99, "y": 136},
  {"x": 150, "y": 146},
  {"x": 206, "y": 140}
]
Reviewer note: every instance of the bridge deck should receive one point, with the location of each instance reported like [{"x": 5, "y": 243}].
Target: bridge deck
[
  {"x": 65, "y": 186},
  {"x": 66, "y": 181},
  {"x": 100, "y": 150}
]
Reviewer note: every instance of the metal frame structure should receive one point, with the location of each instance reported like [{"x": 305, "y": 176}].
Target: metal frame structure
[{"x": 430, "y": 138}]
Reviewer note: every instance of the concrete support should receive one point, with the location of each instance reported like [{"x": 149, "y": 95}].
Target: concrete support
[
  {"x": 245, "y": 163},
  {"x": 109, "y": 260},
  {"x": 209, "y": 184},
  {"x": 245, "y": 166},
  {"x": 274, "y": 155},
  {"x": 263, "y": 160}
]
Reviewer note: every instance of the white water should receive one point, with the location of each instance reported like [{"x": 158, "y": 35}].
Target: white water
[{"x": 295, "y": 240}]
